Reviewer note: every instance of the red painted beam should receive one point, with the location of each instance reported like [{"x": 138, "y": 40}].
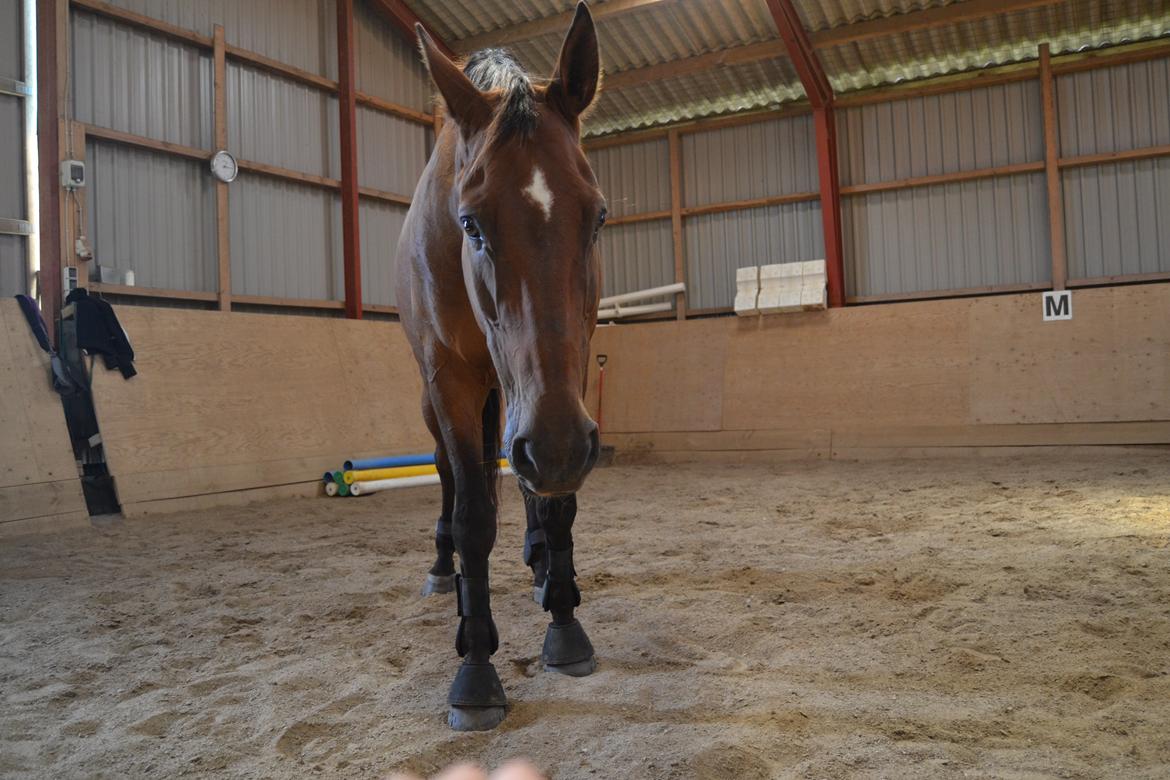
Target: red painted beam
[
  {"x": 400, "y": 15},
  {"x": 830, "y": 184},
  {"x": 801, "y": 52},
  {"x": 347, "y": 109},
  {"x": 820, "y": 95},
  {"x": 49, "y": 281}
]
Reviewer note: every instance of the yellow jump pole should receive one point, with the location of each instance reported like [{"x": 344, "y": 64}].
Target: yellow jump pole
[{"x": 373, "y": 475}]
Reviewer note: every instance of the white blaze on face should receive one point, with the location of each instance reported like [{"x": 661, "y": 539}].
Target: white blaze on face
[{"x": 539, "y": 193}]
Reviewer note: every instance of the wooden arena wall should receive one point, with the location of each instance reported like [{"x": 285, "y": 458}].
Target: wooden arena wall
[
  {"x": 914, "y": 378},
  {"x": 230, "y": 407},
  {"x": 39, "y": 484}
]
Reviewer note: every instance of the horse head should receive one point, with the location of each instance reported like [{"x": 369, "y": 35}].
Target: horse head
[{"x": 529, "y": 207}]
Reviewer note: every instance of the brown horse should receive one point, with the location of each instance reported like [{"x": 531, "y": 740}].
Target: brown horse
[{"x": 498, "y": 286}]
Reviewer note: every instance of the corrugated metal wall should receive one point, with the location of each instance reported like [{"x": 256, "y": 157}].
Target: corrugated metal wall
[
  {"x": 388, "y": 66},
  {"x": 777, "y": 157},
  {"x": 13, "y": 198},
  {"x": 13, "y": 264},
  {"x": 13, "y": 195},
  {"x": 935, "y": 134},
  {"x": 636, "y": 257},
  {"x": 301, "y": 33},
  {"x": 281, "y": 122},
  {"x": 285, "y": 236},
  {"x": 11, "y": 40},
  {"x": 381, "y": 224},
  {"x": 718, "y": 244},
  {"x": 153, "y": 214},
  {"x": 948, "y": 236},
  {"x": 1117, "y": 216},
  {"x": 127, "y": 79},
  {"x": 286, "y": 239},
  {"x": 635, "y": 179},
  {"x": 392, "y": 152}
]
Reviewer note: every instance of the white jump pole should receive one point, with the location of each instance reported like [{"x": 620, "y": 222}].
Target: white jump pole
[
  {"x": 630, "y": 311},
  {"x": 653, "y": 292},
  {"x": 374, "y": 485}
]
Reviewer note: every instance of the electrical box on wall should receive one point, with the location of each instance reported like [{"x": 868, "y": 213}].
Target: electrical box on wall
[
  {"x": 70, "y": 282},
  {"x": 72, "y": 174}
]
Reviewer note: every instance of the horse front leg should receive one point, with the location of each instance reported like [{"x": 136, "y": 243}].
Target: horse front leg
[
  {"x": 476, "y": 698},
  {"x": 441, "y": 577},
  {"x": 567, "y": 649}
]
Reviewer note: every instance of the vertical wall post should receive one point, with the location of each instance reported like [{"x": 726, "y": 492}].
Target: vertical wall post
[
  {"x": 820, "y": 96},
  {"x": 830, "y": 186},
  {"x": 347, "y": 109},
  {"x": 676, "y": 226},
  {"x": 222, "y": 232},
  {"x": 49, "y": 30},
  {"x": 1052, "y": 171}
]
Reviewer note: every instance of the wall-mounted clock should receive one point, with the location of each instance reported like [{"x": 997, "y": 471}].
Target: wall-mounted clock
[{"x": 224, "y": 166}]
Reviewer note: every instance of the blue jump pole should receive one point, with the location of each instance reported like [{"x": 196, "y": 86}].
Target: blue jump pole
[{"x": 390, "y": 462}]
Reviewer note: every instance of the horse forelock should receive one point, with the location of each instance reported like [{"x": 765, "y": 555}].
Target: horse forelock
[{"x": 496, "y": 70}]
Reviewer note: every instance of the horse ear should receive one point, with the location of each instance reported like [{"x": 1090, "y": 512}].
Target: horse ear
[
  {"x": 466, "y": 105},
  {"x": 574, "y": 84}
]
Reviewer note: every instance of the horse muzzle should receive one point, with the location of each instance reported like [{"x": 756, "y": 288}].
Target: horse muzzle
[{"x": 555, "y": 461}]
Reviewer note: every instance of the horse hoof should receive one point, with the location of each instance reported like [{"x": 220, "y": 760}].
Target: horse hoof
[
  {"x": 578, "y": 669},
  {"x": 438, "y": 583},
  {"x": 475, "y": 718},
  {"x": 567, "y": 650}
]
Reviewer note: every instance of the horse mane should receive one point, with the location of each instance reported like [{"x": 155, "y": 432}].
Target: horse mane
[{"x": 496, "y": 70}]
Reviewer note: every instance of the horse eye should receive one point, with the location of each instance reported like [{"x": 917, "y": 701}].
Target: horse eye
[
  {"x": 470, "y": 228},
  {"x": 600, "y": 222}
]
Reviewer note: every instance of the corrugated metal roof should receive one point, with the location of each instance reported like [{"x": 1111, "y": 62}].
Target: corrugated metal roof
[
  {"x": 996, "y": 40},
  {"x": 677, "y": 29}
]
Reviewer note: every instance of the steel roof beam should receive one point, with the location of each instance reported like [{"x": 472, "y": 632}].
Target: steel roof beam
[{"x": 404, "y": 19}]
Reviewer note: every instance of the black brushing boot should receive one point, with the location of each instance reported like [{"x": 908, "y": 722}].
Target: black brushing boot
[{"x": 476, "y": 698}]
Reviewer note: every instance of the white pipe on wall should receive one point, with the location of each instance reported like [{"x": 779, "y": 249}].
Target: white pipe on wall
[
  {"x": 32, "y": 164},
  {"x": 637, "y": 295},
  {"x": 629, "y": 311}
]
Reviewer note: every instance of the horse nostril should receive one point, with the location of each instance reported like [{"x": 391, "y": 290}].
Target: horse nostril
[
  {"x": 594, "y": 447},
  {"x": 522, "y": 459}
]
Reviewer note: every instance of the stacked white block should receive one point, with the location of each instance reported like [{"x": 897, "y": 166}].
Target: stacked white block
[
  {"x": 780, "y": 287},
  {"x": 786, "y": 287},
  {"x": 814, "y": 285},
  {"x": 747, "y": 291}
]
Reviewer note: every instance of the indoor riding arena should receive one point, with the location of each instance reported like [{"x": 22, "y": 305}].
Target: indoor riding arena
[{"x": 640, "y": 389}]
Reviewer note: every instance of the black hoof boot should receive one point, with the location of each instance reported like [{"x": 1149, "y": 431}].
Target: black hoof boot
[
  {"x": 438, "y": 583},
  {"x": 567, "y": 650},
  {"x": 476, "y": 698}
]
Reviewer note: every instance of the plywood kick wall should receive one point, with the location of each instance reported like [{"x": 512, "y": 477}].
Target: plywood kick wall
[
  {"x": 39, "y": 484},
  {"x": 976, "y": 372},
  {"x": 226, "y": 404}
]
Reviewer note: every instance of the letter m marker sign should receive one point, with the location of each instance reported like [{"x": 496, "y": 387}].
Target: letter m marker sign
[{"x": 1058, "y": 305}]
